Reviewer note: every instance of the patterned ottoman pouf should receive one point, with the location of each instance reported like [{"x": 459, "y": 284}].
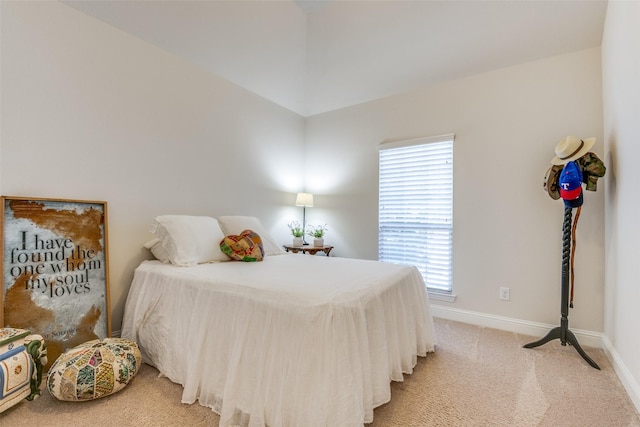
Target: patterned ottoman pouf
[{"x": 94, "y": 369}]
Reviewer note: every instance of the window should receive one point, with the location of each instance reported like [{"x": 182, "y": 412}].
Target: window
[{"x": 415, "y": 207}]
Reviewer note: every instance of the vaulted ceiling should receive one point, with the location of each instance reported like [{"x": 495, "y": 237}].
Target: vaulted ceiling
[{"x": 319, "y": 55}]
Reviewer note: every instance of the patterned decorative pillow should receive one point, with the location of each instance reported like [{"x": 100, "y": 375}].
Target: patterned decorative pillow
[
  {"x": 247, "y": 246},
  {"x": 233, "y": 224},
  {"x": 94, "y": 369}
]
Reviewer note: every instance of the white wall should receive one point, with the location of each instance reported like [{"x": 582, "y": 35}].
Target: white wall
[
  {"x": 507, "y": 230},
  {"x": 621, "y": 93},
  {"x": 97, "y": 114},
  {"x": 91, "y": 113}
]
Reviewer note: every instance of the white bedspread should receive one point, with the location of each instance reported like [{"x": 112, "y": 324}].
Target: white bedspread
[{"x": 295, "y": 340}]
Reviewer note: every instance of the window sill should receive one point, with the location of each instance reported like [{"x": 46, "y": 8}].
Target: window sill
[{"x": 441, "y": 296}]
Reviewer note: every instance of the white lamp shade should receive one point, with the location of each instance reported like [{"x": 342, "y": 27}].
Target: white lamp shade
[{"x": 304, "y": 199}]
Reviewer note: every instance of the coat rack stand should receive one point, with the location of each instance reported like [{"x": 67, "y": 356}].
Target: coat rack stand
[{"x": 562, "y": 332}]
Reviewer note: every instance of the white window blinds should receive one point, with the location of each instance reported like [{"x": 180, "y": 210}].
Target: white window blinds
[{"x": 416, "y": 207}]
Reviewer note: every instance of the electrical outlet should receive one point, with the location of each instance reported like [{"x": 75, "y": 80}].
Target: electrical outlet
[{"x": 504, "y": 293}]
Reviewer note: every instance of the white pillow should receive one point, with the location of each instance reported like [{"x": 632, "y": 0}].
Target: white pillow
[
  {"x": 236, "y": 224},
  {"x": 185, "y": 240},
  {"x": 158, "y": 250}
]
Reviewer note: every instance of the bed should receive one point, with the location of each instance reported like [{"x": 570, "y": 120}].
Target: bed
[{"x": 293, "y": 340}]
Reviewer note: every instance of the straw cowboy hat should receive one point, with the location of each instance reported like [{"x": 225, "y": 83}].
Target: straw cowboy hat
[
  {"x": 550, "y": 183},
  {"x": 571, "y": 148}
]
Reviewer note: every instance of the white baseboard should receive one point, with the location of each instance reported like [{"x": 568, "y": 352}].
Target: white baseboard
[
  {"x": 629, "y": 383},
  {"x": 535, "y": 329}
]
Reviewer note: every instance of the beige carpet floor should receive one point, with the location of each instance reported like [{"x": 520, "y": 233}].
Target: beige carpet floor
[{"x": 477, "y": 377}]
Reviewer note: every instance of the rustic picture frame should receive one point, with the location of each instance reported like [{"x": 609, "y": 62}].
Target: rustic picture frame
[{"x": 55, "y": 276}]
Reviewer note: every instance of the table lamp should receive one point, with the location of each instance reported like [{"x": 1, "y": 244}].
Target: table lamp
[{"x": 306, "y": 201}]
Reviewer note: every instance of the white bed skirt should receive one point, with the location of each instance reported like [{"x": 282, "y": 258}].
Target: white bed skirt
[{"x": 295, "y": 340}]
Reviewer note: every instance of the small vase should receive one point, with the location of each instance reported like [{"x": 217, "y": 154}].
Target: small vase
[
  {"x": 297, "y": 241},
  {"x": 318, "y": 241}
]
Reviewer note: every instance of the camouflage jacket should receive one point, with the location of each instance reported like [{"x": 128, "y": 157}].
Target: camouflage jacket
[{"x": 592, "y": 168}]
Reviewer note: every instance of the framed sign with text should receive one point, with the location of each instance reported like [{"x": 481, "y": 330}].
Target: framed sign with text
[{"x": 54, "y": 270}]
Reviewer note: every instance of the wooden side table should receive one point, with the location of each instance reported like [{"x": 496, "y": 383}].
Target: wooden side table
[{"x": 308, "y": 249}]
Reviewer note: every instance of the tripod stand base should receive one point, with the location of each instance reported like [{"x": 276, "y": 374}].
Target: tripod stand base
[{"x": 564, "y": 335}]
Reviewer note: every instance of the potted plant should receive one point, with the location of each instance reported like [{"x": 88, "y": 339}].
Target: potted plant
[
  {"x": 297, "y": 232},
  {"x": 318, "y": 234}
]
